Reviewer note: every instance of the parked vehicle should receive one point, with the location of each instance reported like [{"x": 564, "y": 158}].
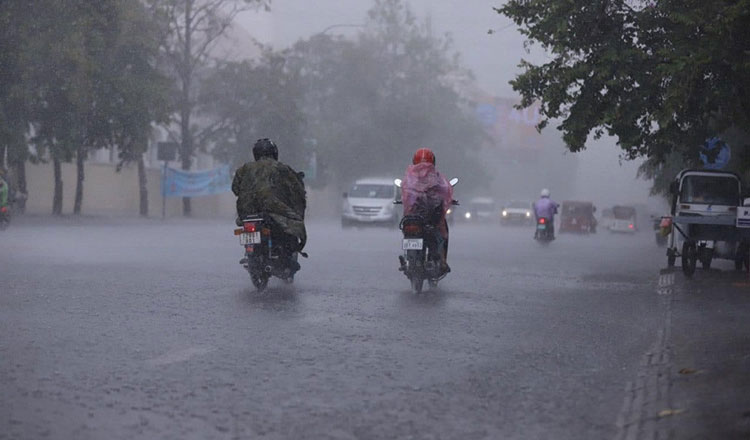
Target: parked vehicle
[
  {"x": 517, "y": 213},
  {"x": 578, "y": 217},
  {"x": 704, "y": 210},
  {"x": 370, "y": 201},
  {"x": 421, "y": 257},
  {"x": 624, "y": 219},
  {"x": 266, "y": 253}
]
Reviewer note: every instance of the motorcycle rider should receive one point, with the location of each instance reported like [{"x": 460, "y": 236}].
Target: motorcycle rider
[
  {"x": 546, "y": 208},
  {"x": 275, "y": 190},
  {"x": 427, "y": 193},
  {"x": 4, "y": 191}
]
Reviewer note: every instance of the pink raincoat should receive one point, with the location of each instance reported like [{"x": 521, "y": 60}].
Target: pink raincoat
[{"x": 424, "y": 187}]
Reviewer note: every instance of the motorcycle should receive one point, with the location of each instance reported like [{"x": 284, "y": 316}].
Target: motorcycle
[
  {"x": 265, "y": 253},
  {"x": 421, "y": 258},
  {"x": 543, "y": 233},
  {"x": 4, "y": 218}
]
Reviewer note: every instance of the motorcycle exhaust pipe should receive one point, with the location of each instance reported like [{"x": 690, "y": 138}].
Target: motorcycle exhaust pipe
[{"x": 268, "y": 269}]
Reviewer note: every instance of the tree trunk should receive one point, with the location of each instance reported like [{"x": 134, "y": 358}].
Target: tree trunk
[
  {"x": 21, "y": 192},
  {"x": 80, "y": 158},
  {"x": 57, "y": 199},
  {"x": 142, "y": 186},
  {"x": 186, "y": 74}
]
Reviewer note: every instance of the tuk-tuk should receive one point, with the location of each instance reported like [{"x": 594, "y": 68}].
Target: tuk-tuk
[
  {"x": 704, "y": 210},
  {"x": 578, "y": 217}
]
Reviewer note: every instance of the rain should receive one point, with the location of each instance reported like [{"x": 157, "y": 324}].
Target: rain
[{"x": 375, "y": 219}]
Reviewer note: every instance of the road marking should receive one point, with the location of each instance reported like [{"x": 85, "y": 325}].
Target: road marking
[
  {"x": 666, "y": 284},
  {"x": 174, "y": 356}
]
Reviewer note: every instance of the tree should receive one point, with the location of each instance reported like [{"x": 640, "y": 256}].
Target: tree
[
  {"x": 140, "y": 92},
  {"x": 252, "y": 100},
  {"x": 372, "y": 101},
  {"x": 662, "y": 76},
  {"x": 14, "y": 118},
  {"x": 191, "y": 30}
]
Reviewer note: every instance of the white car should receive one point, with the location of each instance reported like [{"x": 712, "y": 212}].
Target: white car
[
  {"x": 370, "y": 201},
  {"x": 517, "y": 212},
  {"x": 623, "y": 219}
]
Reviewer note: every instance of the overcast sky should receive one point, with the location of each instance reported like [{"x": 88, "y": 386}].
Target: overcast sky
[{"x": 492, "y": 57}]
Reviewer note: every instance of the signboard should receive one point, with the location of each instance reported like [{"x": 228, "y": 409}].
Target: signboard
[
  {"x": 743, "y": 216},
  {"x": 178, "y": 183},
  {"x": 166, "y": 151},
  {"x": 715, "y": 154}
]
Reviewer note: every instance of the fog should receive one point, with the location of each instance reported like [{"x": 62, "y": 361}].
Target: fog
[{"x": 491, "y": 47}]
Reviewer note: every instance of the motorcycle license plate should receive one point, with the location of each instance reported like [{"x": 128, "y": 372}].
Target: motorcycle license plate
[
  {"x": 412, "y": 244},
  {"x": 541, "y": 227},
  {"x": 250, "y": 238}
]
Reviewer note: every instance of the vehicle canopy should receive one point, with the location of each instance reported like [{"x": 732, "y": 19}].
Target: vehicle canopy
[
  {"x": 706, "y": 187},
  {"x": 624, "y": 212},
  {"x": 574, "y": 208}
]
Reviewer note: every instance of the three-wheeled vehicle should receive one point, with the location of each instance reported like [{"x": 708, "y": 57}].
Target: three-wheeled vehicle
[
  {"x": 704, "y": 219},
  {"x": 578, "y": 217}
]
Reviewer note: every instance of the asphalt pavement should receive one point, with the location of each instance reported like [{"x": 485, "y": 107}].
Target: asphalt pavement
[{"x": 143, "y": 329}]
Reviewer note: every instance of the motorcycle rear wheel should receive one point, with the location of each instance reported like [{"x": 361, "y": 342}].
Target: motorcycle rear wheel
[
  {"x": 260, "y": 281},
  {"x": 416, "y": 283}
]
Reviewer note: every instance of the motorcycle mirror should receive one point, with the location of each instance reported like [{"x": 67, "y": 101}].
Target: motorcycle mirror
[
  {"x": 453, "y": 181},
  {"x": 397, "y": 182}
]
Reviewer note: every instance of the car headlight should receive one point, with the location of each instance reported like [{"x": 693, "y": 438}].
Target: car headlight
[
  {"x": 467, "y": 215},
  {"x": 528, "y": 214},
  {"x": 505, "y": 213}
]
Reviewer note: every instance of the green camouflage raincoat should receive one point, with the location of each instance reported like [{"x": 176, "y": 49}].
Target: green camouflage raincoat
[{"x": 273, "y": 188}]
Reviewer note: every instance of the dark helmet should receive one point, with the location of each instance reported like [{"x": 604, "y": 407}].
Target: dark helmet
[{"x": 265, "y": 148}]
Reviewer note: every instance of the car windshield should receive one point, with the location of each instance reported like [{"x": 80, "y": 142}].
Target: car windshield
[
  {"x": 711, "y": 190},
  {"x": 482, "y": 206},
  {"x": 624, "y": 212},
  {"x": 519, "y": 205},
  {"x": 372, "y": 191}
]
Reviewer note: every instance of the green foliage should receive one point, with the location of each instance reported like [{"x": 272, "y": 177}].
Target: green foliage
[
  {"x": 251, "y": 100},
  {"x": 372, "y": 101},
  {"x": 662, "y": 76}
]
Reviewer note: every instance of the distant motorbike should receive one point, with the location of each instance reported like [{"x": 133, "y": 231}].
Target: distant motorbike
[
  {"x": 266, "y": 254},
  {"x": 4, "y": 218},
  {"x": 544, "y": 233},
  {"x": 421, "y": 258}
]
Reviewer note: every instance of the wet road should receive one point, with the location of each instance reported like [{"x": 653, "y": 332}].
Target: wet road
[{"x": 151, "y": 330}]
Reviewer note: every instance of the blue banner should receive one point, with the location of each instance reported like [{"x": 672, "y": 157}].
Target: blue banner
[{"x": 178, "y": 183}]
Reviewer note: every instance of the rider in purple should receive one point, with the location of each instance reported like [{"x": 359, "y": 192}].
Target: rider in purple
[{"x": 546, "y": 208}]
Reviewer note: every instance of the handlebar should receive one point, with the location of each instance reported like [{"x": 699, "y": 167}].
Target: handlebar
[{"x": 455, "y": 202}]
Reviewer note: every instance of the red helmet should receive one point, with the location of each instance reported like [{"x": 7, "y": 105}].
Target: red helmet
[{"x": 423, "y": 155}]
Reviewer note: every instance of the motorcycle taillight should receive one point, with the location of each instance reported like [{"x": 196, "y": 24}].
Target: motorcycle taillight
[
  {"x": 412, "y": 230},
  {"x": 250, "y": 227},
  {"x": 542, "y": 221},
  {"x": 4, "y": 209}
]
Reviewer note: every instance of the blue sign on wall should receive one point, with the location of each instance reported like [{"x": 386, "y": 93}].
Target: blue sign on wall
[
  {"x": 179, "y": 183},
  {"x": 713, "y": 159}
]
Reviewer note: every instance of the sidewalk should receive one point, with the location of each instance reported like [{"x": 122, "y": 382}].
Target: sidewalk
[{"x": 709, "y": 374}]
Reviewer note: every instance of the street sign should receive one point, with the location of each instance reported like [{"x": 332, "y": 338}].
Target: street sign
[
  {"x": 715, "y": 154},
  {"x": 166, "y": 151}
]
